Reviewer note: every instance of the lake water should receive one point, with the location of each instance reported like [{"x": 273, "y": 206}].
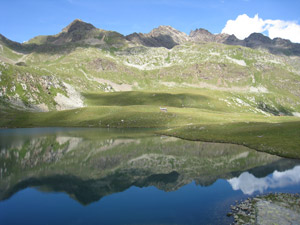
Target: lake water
[{"x": 111, "y": 176}]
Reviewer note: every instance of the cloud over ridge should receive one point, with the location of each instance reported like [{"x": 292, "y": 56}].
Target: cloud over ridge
[
  {"x": 244, "y": 25},
  {"x": 249, "y": 184}
]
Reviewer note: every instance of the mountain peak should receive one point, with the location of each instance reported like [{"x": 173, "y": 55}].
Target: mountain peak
[
  {"x": 176, "y": 35},
  {"x": 163, "y": 29},
  {"x": 199, "y": 31},
  {"x": 78, "y": 24},
  {"x": 258, "y": 37},
  {"x": 162, "y": 36},
  {"x": 202, "y": 35}
]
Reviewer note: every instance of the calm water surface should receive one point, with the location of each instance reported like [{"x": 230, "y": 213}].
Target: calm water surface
[{"x": 100, "y": 176}]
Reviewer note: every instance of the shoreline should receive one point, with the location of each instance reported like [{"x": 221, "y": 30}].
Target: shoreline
[
  {"x": 224, "y": 142},
  {"x": 162, "y": 131},
  {"x": 272, "y": 208}
]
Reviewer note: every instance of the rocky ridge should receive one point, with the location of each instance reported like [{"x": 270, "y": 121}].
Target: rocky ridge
[
  {"x": 94, "y": 60},
  {"x": 168, "y": 37},
  {"x": 202, "y": 35},
  {"x": 163, "y": 36}
]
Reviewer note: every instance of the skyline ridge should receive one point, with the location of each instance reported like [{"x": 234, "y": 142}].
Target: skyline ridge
[{"x": 64, "y": 29}]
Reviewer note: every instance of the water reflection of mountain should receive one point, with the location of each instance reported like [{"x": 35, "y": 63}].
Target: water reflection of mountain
[{"x": 90, "y": 164}]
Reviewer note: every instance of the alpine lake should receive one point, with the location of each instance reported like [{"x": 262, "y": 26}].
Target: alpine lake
[{"x": 129, "y": 176}]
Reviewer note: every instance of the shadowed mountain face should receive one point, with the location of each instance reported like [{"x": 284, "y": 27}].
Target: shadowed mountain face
[
  {"x": 58, "y": 72},
  {"x": 163, "y": 36},
  {"x": 275, "y": 46},
  {"x": 202, "y": 35},
  {"x": 255, "y": 40},
  {"x": 82, "y": 33},
  {"x": 89, "y": 164},
  {"x": 78, "y": 25},
  {"x": 76, "y": 31}
]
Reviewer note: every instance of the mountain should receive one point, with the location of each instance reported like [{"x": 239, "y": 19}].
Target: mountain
[
  {"x": 275, "y": 46},
  {"x": 163, "y": 36},
  {"x": 81, "y": 33},
  {"x": 202, "y": 35},
  {"x": 111, "y": 77},
  {"x": 255, "y": 40},
  {"x": 77, "y": 33}
]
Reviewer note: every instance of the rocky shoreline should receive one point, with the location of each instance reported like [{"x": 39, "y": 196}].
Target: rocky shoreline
[{"x": 273, "y": 208}]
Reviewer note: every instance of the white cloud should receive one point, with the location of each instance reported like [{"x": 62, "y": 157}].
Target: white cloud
[
  {"x": 248, "y": 183},
  {"x": 244, "y": 25}
]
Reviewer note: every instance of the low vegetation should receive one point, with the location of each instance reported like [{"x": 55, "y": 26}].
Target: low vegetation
[
  {"x": 211, "y": 91},
  {"x": 273, "y": 134}
]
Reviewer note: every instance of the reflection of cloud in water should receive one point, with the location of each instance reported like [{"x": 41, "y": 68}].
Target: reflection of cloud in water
[{"x": 248, "y": 183}]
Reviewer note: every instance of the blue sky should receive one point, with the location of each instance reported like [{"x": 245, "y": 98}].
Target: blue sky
[{"x": 22, "y": 20}]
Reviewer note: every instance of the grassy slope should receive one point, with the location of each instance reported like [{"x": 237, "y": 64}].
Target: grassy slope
[
  {"x": 222, "y": 112},
  {"x": 281, "y": 139},
  {"x": 272, "y": 134}
]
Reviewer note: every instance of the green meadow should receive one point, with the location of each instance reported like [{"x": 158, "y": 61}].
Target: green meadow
[
  {"x": 191, "y": 116},
  {"x": 212, "y": 92}
]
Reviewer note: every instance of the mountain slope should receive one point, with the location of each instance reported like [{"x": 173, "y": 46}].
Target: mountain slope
[
  {"x": 274, "y": 46},
  {"x": 80, "y": 32},
  {"x": 49, "y": 72},
  {"x": 163, "y": 36},
  {"x": 195, "y": 86}
]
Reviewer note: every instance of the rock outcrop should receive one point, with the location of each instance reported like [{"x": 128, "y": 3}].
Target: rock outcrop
[
  {"x": 80, "y": 32},
  {"x": 258, "y": 40},
  {"x": 202, "y": 35},
  {"x": 163, "y": 36},
  {"x": 255, "y": 40}
]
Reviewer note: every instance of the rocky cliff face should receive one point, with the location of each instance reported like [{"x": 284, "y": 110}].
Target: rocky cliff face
[
  {"x": 258, "y": 40},
  {"x": 35, "y": 75},
  {"x": 80, "y": 32},
  {"x": 168, "y": 37},
  {"x": 255, "y": 40},
  {"x": 163, "y": 36},
  {"x": 202, "y": 35},
  {"x": 78, "y": 25}
]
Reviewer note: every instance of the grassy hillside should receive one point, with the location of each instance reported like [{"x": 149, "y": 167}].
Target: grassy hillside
[{"x": 237, "y": 92}]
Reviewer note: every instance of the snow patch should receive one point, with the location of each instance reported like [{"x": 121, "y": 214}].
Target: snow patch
[
  {"x": 41, "y": 107},
  {"x": 236, "y": 61},
  {"x": 253, "y": 79},
  {"x": 115, "y": 86},
  {"x": 215, "y": 53},
  {"x": 259, "y": 89},
  {"x": 240, "y": 102},
  {"x": 274, "y": 61},
  {"x": 297, "y": 114},
  {"x": 72, "y": 102},
  {"x": 168, "y": 84}
]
